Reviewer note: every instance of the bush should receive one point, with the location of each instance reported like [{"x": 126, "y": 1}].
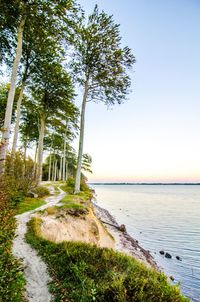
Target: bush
[
  {"x": 83, "y": 273},
  {"x": 69, "y": 188},
  {"x": 19, "y": 176},
  {"x": 11, "y": 278},
  {"x": 41, "y": 191}
]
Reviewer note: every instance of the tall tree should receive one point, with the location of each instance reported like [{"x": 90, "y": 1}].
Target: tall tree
[
  {"x": 52, "y": 91},
  {"x": 41, "y": 14},
  {"x": 100, "y": 64}
]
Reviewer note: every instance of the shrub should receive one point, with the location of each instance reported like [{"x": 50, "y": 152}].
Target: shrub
[
  {"x": 41, "y": 191},
  {"x": 11, "y": 278},
  {"x": 19, "y": 176},
  {"x": 70, "y": 184}
]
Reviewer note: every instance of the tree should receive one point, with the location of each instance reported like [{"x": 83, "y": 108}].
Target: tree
[
  {"x": 39, "y": 14},
  {"x": 9, "y": 13},
  {"x": 52, "y": 92},
  {"x": 100, "y": 64},
  {"x": 86, "y": 163},
  {"x": 11, "y": 94}
]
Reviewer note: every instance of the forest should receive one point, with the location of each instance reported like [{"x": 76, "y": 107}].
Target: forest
[{"x": 55, "y": 54}]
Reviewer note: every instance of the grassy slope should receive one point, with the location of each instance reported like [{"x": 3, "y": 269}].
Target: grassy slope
[{"x": 84, "y": 273}]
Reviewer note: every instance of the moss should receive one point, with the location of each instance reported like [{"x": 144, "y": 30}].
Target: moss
[
  {"x": 81, "y": 273},
  {"x": 29, "y": 204}
]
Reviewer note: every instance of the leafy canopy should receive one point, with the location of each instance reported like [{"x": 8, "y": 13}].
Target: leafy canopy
[{"x": 99, "y": 59}]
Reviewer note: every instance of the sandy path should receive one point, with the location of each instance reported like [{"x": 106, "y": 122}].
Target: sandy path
[{"x": 35, "y": 270}]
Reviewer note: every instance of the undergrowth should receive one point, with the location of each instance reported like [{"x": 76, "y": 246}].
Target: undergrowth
[
  {"x": 83, "y": 273},
  {"x": 41, "y": 191},
  {"x": 11, "y": 277}
]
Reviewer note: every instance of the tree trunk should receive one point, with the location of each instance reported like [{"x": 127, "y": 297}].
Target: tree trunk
[
  {"x": 81, "y": 139},
  {"x": 25, "y": 149},
  {"x": 16, "y": 131},
  {"x": 61, "y": 168},
  {"x": 49, "y": 175},
  {"x": 64, "y": 153},
  {"x": 53, "y": 166},
  {"x": 35, "y": 161},
  {"x": 25, "y": 152},
  {"x": 55, "y": 170},
  {"x": 66, "y": 171},
  {"x": 11, "y": 94},
  {"x": 40, "y": 149}
]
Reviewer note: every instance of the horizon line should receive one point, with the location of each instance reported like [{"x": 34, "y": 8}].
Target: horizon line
[{"x": 144, "y": 183}]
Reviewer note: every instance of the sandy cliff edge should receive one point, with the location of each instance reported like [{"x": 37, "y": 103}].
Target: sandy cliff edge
[{"x": 89, "y": 228}]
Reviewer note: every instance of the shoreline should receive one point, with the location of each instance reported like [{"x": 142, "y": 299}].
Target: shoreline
[{"x": 124, "y": 242}]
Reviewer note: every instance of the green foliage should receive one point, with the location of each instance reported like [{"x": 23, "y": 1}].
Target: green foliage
[
  {"x": 75, "y": 204},
  {"x": 99, "y": 61},
  {"x": 86, "y": 163},
  {"x": 19, "y": 176},
  {"x": 85, "y": 192},
  {"x": 69, "y": 186},
  {"x": 85, "y": 273},
  {"x": 29, "y": 204},
  {"x": 11, "y": 277},
  {"x": 41, "y": 191}
]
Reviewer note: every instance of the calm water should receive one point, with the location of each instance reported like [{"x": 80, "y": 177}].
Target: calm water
[{"x": 161, "y": 218}]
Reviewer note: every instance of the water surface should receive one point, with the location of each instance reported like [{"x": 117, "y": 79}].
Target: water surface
[{"x": 161, "y": 217}]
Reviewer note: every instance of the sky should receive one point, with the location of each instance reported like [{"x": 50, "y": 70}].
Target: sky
[{"x": 155, "y": 135}]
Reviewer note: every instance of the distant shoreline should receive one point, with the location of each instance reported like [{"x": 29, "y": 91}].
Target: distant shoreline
[{"x": 144, "y": 184}]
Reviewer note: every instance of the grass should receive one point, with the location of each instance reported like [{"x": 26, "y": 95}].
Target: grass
[
  {"x": 85, "y": 273},
  {"x": 29, "y": 204},
  {"x": 69, "y": 208},
  {"x": 85, "y": 192}
]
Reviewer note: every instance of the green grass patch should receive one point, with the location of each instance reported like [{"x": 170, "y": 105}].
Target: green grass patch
[
  {"x": 85, "y": 191},
  {"x": 29, "y": 204},
  {"x": 78, "y": 198},
  {"x": 84, "y": 273}
]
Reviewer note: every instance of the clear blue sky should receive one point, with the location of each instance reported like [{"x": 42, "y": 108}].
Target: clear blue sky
[{"x": 155, "y": 135}]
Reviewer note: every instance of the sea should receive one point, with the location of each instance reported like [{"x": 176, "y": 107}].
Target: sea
[{"x": 161, "y": 217}]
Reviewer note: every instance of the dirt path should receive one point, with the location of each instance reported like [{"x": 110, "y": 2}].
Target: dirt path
[{"x": 35, "y": 269}]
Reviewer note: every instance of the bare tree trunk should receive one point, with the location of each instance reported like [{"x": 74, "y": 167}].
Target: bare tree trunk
[
  {"x": 61, "y": 168},
  {"x": 11, "y": 94},
  {"x": 53, "y": 166},
  {"x": 16, "y": 131},
  {"x": 25, "y": 149},
  {"x": 40, "y": 149},
  {"x": 64, "y": 153},
  {"x": 49, "y": 175},
  {"x": 66, "y": 171},
  {"x": 81, "y": 138},
  {"x": 35, "y": 161},
  {"x": 25, "y": 152},
  {"x": 55, "y": 170}
]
